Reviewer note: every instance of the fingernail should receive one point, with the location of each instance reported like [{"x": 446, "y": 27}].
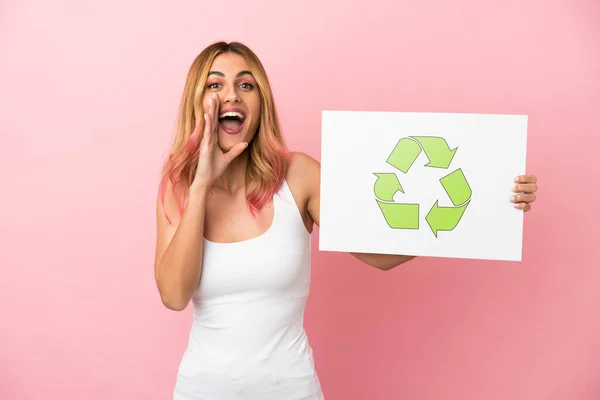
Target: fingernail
[
  {"x": 512, "y": 198},
  {"x": 517, "y": 179}
]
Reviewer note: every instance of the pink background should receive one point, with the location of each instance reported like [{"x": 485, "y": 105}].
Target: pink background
[{"x": 88, "y": 95}]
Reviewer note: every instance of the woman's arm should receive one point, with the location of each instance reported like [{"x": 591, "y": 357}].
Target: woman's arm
[
  {"x": 384, "y": 262},
  {"x": 180, "y": 244},
  {"x": 179, "y": 249}
]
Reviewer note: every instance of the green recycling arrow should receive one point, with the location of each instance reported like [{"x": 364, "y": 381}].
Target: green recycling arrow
[
  {"x": 400, "y": 215},
  {"x": 404, "y": 154},
  {"x": 406, "y": 216},
  {"x": 444, "y": 218},
  {"x": 437, "y": 151},
  {"x": 456, "y": 186},
  {"x": 407, "y": 150},
  {"x": 386, "y": 186}
]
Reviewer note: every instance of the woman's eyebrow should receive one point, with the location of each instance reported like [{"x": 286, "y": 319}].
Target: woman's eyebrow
[{"x": 241, "y": 73}]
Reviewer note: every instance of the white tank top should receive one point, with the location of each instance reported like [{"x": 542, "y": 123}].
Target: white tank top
[{"x": 247, "y": 339}]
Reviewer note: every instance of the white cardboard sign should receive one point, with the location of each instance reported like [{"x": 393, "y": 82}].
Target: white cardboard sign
[{"x": 423, "y": 184}]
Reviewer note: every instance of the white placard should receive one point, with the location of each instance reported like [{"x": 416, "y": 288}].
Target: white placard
[{"x": 423, "y": 184}]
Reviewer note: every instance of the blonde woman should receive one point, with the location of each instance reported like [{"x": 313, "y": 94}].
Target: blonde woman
[{"x": 235, "y": 213}]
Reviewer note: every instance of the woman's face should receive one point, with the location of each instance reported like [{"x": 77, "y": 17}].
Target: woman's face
[{"x": 238, "y": 99}]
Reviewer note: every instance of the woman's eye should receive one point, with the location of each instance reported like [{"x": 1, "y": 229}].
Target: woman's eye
[
  {"x": 213, "y": 86},
  {"x": 246, "y": 86}
]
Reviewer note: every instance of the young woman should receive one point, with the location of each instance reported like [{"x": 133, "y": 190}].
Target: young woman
[{"x": 235, "y": 212}]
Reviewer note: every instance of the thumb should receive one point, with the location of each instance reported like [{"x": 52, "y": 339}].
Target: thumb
[{"x": 235, "y": 151}]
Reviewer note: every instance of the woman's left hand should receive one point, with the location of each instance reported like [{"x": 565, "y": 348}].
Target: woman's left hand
[{"x": 524, "y": 189}]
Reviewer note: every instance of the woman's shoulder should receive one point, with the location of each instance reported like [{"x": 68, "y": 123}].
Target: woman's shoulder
[
  {"x": 303, "y": 167},
  {"x": 303, "y": 177},
  {"x": 298, "y": 158}
]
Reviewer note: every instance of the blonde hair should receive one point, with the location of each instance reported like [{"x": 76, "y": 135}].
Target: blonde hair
[{"x": 268, "y": 154}]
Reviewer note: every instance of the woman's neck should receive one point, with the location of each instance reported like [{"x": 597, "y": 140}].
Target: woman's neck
[{"x": 234, "y": 178}]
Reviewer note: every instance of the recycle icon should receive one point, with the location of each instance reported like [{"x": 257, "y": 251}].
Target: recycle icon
[{"x": 406, "y": 215}]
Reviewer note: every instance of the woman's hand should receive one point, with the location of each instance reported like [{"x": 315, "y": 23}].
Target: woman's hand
[
  {"x": 212, "y": 161},
  {"x": 524, "y": 189}
]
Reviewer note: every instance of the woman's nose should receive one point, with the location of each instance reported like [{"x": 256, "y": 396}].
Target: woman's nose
[{"x": 230, "y": 95}]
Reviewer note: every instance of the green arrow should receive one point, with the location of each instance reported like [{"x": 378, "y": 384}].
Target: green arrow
[
  {"x": 457, "y": 187},
  {"x": 386, "y": 186},
  {"x": 404, "y": 154},
  {"x": 444, "y": 218},
  {"x": 437, "y": 151},
  {"x": 400, "y": 216}
]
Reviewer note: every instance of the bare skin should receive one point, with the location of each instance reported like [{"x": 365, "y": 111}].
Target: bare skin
[{"x": 217, "y": 209}]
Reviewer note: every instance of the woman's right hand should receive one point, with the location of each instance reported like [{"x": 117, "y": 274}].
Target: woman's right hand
[{"x": 212, "y": 161}]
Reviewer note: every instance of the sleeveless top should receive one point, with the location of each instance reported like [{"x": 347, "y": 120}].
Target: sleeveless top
[{"x": 247, "y": 339}]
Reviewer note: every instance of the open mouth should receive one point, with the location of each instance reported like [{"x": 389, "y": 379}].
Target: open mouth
[{"x": 231, "y": 121}]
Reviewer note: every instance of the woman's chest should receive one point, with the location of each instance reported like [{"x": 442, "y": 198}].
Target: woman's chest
[{"x": 230, "y": 220}]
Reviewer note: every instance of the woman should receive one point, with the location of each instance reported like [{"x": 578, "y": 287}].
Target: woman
[{"x": 235, "y": 212}]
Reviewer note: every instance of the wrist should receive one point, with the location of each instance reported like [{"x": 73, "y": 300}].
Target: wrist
[{"x": 198, "y": 191}]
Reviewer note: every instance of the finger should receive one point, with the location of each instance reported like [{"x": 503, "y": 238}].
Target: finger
[
  {"x": 523, "y": 198},
  {"x": 525, "y": 188},
  {"x": 235, "y": 151},
  {"x": 526, "y": 179},
  {"x": 523, "y": 206},
  {"x": 207, "y": 128},
  {"x": 215, "y": 99},
  {"x": 214, "y": 112}
]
